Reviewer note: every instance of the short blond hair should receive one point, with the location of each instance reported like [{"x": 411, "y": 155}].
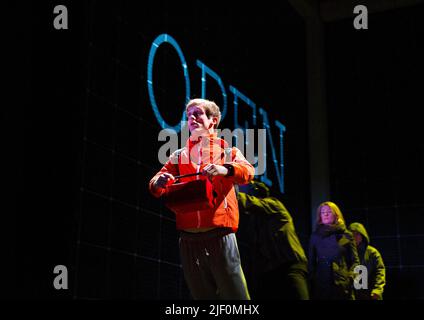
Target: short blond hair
[
  {"x": 210, "y": 107},
  {"x": 336, "y": 211}
]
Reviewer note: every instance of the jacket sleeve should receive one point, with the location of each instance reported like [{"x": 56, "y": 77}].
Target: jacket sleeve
[
  {"x": 265, "y": 206},
  {"x": 380, "y": 274},
  {"x": 248, "y": 202},
  {"x": 352, "y": 253},
  {"x": 171, "y": 166},
  {"x": 243, "y": 170}
]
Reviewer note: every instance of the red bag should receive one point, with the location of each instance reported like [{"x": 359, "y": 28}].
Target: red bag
[{"x": 190, "y": 196}]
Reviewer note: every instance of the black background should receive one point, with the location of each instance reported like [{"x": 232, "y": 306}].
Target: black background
[{"x": 84, "y": 138}]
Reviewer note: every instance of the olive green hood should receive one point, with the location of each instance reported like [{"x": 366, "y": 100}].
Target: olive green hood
[{"x": 359, "y": 227}]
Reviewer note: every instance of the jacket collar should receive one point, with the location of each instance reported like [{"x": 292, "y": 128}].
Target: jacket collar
[{"x": 207, "y": 140}]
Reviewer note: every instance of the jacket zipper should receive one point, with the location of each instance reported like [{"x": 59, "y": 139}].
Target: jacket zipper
[
  {"x": 225, "y": 198},
  {"x": 197, "y": 178}
]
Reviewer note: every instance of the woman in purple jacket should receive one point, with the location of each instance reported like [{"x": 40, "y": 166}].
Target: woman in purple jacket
[{"x": 332, "y": 256}]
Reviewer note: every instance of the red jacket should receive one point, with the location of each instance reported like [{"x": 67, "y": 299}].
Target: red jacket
[{"x": 225, "y": 213}]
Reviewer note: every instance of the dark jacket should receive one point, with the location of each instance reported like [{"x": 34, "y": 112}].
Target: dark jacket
[
  {"x": 275, "y": 234},
  {"x": 274, "y": 250},
  {"x": 372, "y": 260},
  {"x": 332, "y": 259}
]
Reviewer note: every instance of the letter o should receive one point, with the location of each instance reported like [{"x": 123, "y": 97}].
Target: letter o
[{"x": 155, "y": 45}]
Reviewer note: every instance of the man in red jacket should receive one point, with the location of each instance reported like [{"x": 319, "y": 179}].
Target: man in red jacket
[{"x": 208, "y": 245}]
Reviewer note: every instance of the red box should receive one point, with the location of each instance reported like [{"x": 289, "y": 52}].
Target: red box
[{"x": 190, "y": 196}]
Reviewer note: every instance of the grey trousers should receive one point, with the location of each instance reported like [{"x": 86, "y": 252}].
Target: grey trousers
[{"x": 211, "y": 265}]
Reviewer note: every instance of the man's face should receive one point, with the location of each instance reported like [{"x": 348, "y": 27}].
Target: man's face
[
  {"x": 198, "y": 121},
  {"x": 358, "y": 237}
]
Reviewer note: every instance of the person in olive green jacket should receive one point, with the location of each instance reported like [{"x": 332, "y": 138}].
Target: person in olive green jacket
[
  {"x": 277, "y": 265},
  {"x": 371, "y": 258}
]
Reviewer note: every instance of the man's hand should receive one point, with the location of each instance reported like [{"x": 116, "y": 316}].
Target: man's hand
[
  {"x": 163, "y": 180},
  {"x": 214, "y": 170}
]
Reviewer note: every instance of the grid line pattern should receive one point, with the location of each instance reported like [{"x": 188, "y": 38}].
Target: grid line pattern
[
  {"x": 101, "y": 145},
  {"x": 376, "y": 150},
  {"x": 127, "y": 243}
]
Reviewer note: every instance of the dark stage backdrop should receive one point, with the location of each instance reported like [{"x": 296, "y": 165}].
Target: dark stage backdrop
[
  {"x": 84, "y": 136},
  {"x": 375, "y": 100},
  {"x": 91, "y": 138}
]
